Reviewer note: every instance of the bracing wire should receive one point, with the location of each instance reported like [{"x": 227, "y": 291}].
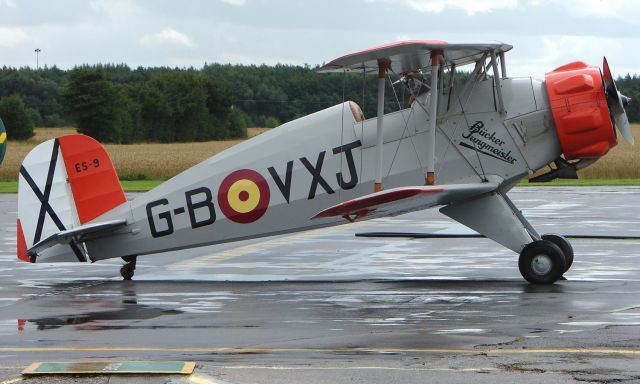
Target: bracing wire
[
  {"x": 406, "y": 125},
  {"x": 466, "y": 121},
  {"x": 439, "y": 128}
]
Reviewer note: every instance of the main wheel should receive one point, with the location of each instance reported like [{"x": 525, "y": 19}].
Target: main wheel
[
  {"x": 541, "y": 262},
  {"x": 565, "y": 247}
]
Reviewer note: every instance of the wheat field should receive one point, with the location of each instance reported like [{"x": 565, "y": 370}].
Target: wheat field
[
  {"x": 132, "y": 161},
  {"x": 162, "y": 161},
  {"x": 622, "y": 162}
]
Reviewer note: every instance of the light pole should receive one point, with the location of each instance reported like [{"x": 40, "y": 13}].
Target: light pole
[{"x": 38, "y": 50}]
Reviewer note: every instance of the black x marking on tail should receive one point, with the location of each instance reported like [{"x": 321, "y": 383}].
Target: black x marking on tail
[{"x": 45, "y": 207}]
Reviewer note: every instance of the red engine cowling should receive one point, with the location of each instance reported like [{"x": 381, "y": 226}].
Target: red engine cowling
[{"x": 579, "y": 107}]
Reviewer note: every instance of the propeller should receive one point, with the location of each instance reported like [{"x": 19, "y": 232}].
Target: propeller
[{"x": 616, "y": 102}]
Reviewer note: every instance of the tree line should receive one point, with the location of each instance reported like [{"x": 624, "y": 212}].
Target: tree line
[
  {"x": 166, "y": 107},
  {"x": 118, "y": 104}
]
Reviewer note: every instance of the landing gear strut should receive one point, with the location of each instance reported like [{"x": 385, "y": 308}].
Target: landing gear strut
[{"x": 127, "y": 270}]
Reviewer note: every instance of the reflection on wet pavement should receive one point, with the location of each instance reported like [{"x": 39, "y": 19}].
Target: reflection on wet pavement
[{"x": 327, "y": 290}]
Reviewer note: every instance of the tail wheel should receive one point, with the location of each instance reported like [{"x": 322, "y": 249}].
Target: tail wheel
[
  {"x": 565, "y": 247},
  {"x": 127, "y": 271},
  {"x": 541, "y": 262},
  {"x": 129, "y": 268}
]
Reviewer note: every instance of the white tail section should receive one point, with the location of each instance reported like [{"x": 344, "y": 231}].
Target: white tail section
[{"x": 64, "y": 183}]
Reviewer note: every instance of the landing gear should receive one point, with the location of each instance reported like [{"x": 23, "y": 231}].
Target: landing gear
[
  {"x": 541, "y": 262},
  {"x": 564, "y": 246},
  {"x": 127, "y": 270}
]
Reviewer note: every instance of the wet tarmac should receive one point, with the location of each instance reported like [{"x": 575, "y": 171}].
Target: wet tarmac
[{"x": 326, "y": 306}]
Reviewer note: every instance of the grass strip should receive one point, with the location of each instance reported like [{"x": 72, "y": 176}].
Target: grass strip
[
  {"x": 582, "y": 183},
  {"x": 8, "y": 187},
  {"x": 127, "y": 185},
  {"x": 140, "y": 185}
]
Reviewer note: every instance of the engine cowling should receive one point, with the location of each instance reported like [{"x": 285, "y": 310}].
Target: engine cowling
[{"x": 580, "y": 111}]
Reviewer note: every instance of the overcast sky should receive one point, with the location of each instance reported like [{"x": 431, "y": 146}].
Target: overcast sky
[{"x": 545, "y": 33}]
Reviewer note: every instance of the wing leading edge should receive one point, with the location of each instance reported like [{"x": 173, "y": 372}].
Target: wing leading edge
[{"x": 401, "y": 200}]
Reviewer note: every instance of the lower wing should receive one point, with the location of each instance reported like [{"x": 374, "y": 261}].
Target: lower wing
[{"x": 401, "y": 200}]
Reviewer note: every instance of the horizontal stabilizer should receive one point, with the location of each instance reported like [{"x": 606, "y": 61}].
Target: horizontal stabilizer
[
  {"x": 78, "y": 234},
  {"x": 405, "y": 199}
]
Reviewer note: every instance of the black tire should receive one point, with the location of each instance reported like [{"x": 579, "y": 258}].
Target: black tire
[
  {"x": 565, "y": 247},
  {"x": 127, "y": 271},
  {"x": 541, "y": 262}
]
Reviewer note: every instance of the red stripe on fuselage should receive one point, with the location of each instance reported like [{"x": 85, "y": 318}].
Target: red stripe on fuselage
[{"x": 371, "y": 202}]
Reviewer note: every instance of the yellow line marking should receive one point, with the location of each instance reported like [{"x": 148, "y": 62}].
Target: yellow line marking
[
  {"x": 11, "y": 381},
  {"x": 3, "y": 137},
  {"x": 571, "y": 351},
  {"x": 198, "y": 379},
  {"x": 292, "y": 368}
]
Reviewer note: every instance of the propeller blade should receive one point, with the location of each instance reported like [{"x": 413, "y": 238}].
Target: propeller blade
[
  {"x": 622, "y": 123},
  {"x": 616, "y": 102}
]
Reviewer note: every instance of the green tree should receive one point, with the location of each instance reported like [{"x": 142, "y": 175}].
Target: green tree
[
  {"x": 187, "y": 104},
  {"x": 630, "y": 87},
  {"x": 237, "y": 123},
  {"x": 40, "y": 91},
  {"x": 92, "y": 98},
  {"x": 127, "y": 116},
  {"x": 155, "y": 115},
  {"x": 219, "y": 107},
  {"x": 16, "y": 118}
]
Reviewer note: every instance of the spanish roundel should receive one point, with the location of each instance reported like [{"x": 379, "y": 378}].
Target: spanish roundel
[{"x": 243, "y": 196}]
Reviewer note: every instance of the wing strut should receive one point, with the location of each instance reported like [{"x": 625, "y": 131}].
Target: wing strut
[
  {"x": 496, "y": 79},
  {"x": 503, "y": 65},
  {"x": 430, "y": 178},
  {"x": 383, "y": 67}
]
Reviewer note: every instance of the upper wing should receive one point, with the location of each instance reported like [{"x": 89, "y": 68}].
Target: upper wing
[
  {"x": 411, "y": 55},
  {"x": 405, "y": 199}
]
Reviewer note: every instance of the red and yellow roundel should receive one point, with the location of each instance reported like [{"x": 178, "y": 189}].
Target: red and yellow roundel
[{"x": 243, "y": 196}]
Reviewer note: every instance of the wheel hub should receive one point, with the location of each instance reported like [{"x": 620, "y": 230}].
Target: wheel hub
[{"x": 541, "y": 264}]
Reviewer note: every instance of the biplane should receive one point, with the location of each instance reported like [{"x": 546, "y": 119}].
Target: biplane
[
  {"x": 460, "y": 146},
  {"x": 3, "y": 141}
]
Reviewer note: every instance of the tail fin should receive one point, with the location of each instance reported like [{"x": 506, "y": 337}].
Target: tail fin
[{"x": 63, "y": 184}]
